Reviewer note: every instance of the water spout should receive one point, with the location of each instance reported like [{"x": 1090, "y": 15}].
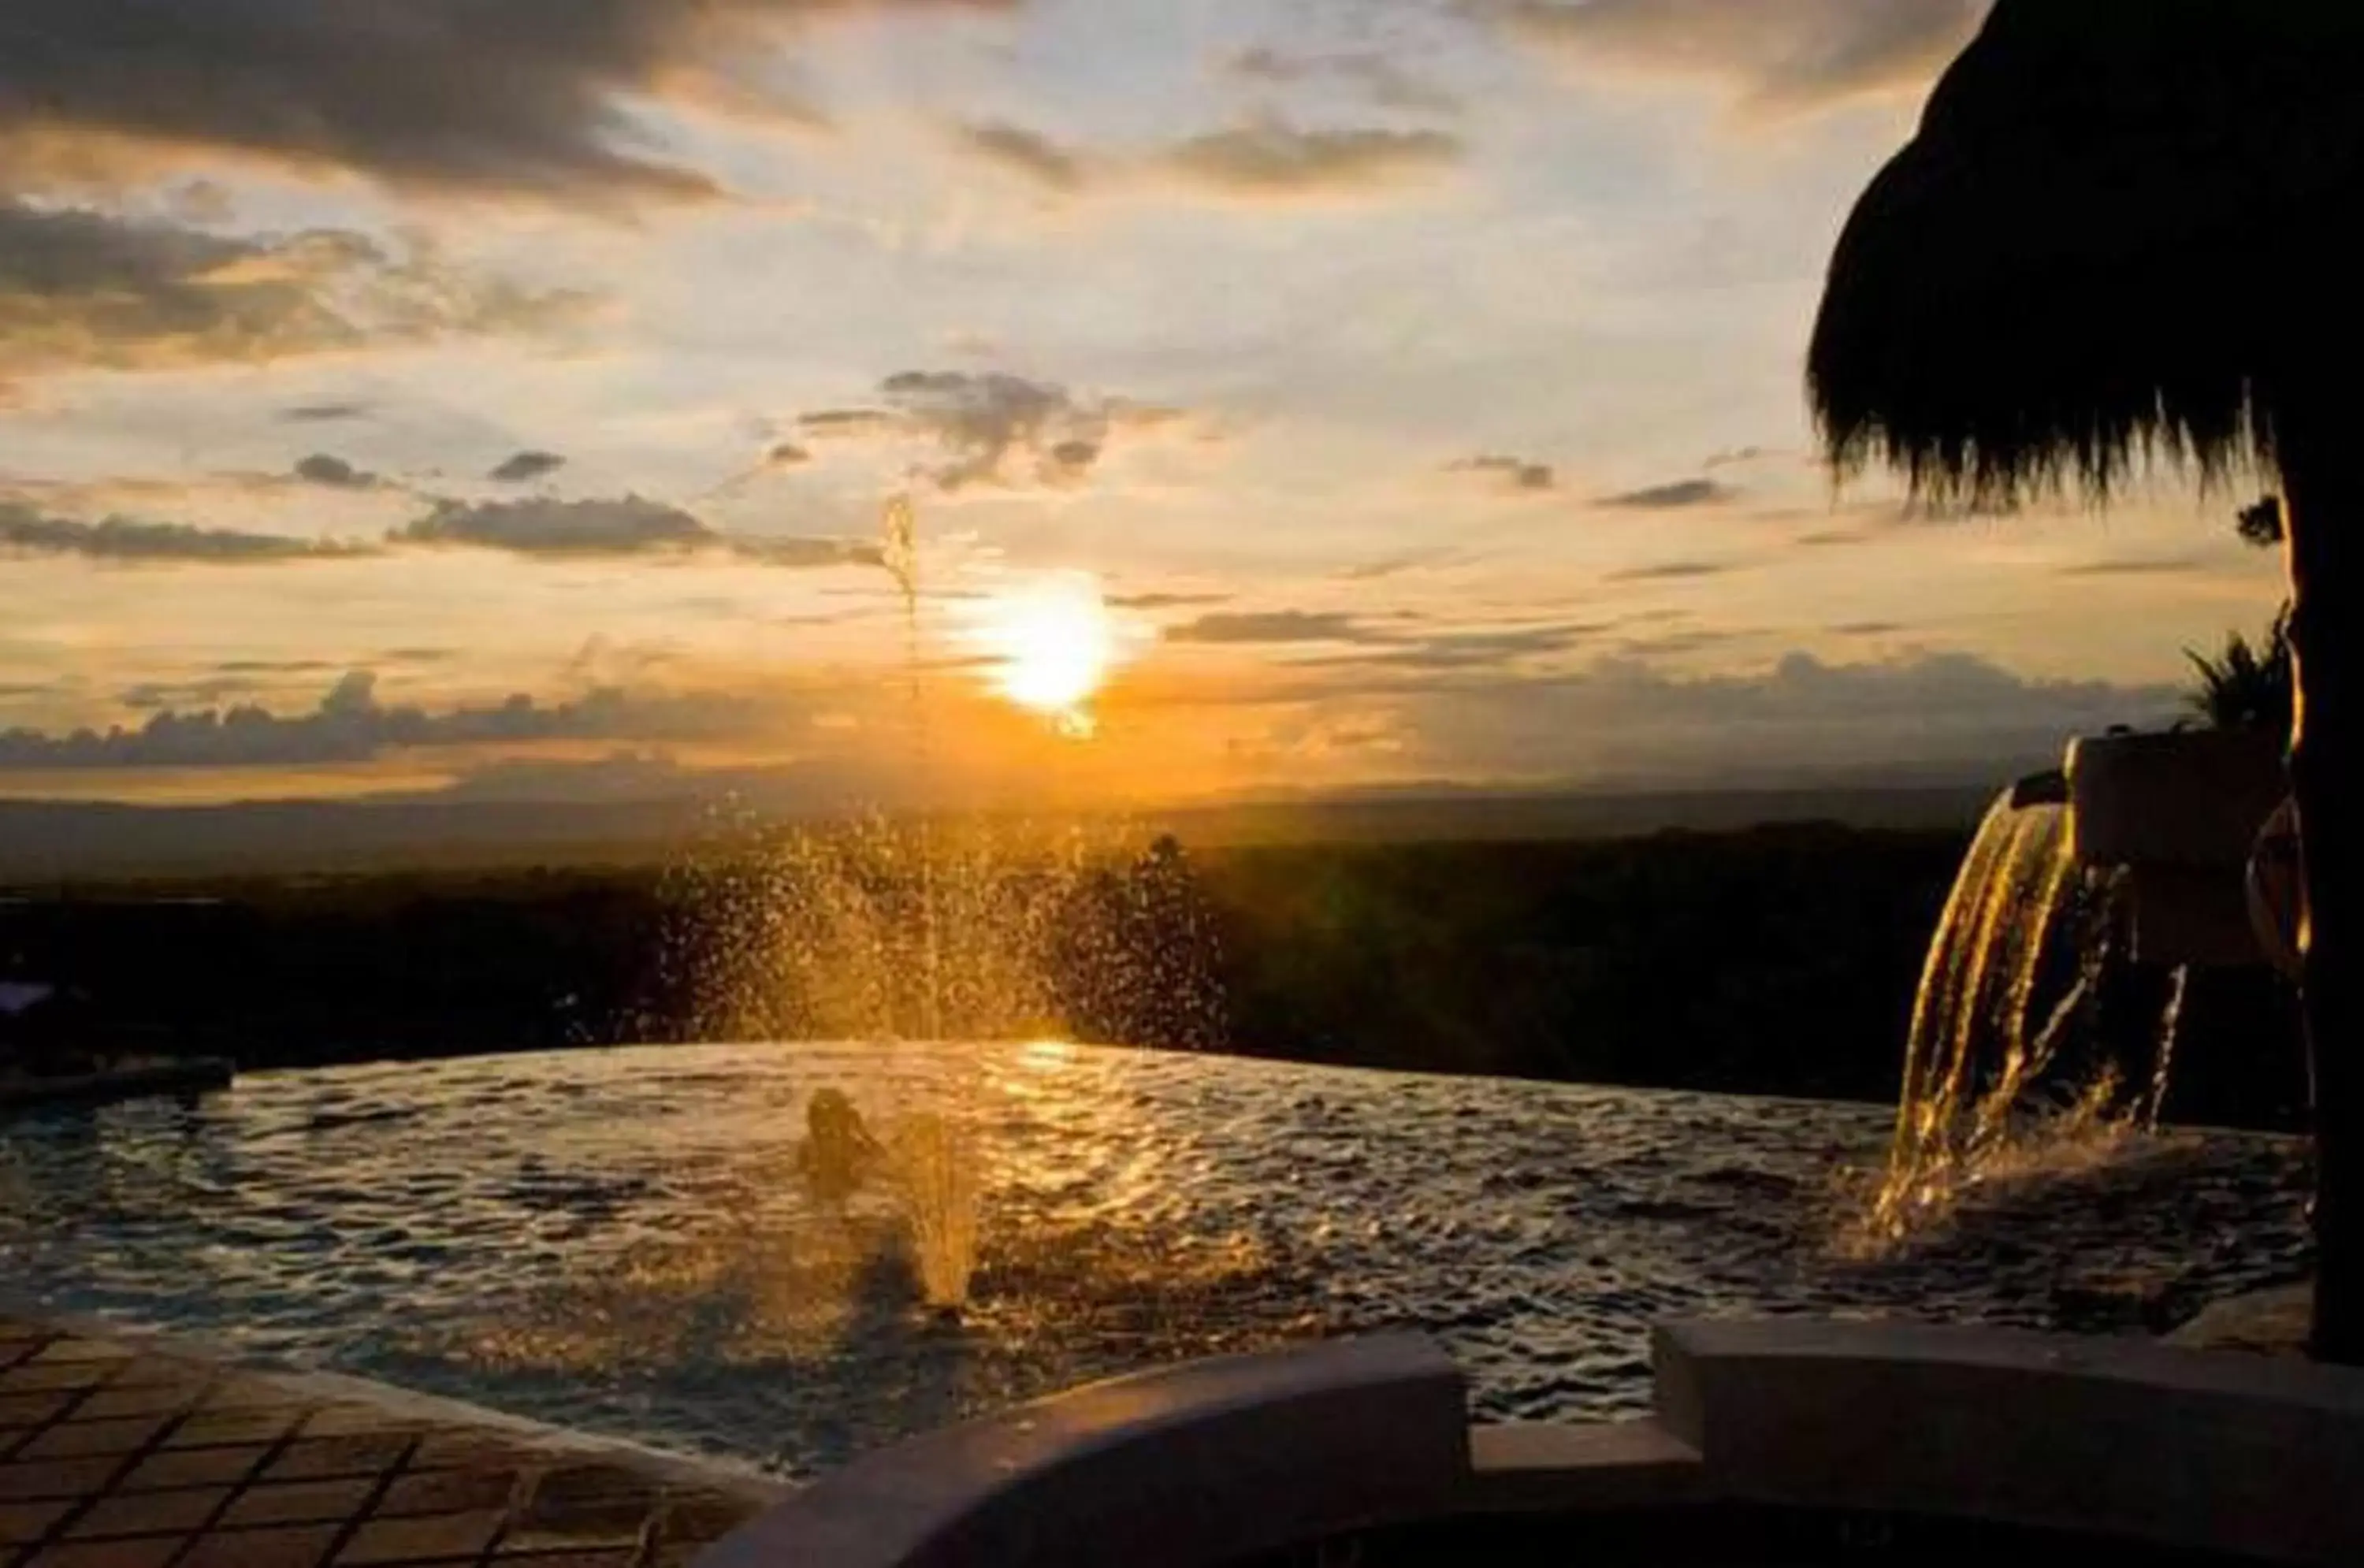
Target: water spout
[
  {"x": 899, "y": 551},
  {"x": 2014, "y": 977}
]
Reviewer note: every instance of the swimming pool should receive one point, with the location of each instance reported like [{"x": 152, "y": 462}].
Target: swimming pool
[{"x": 628, "y": 1241}]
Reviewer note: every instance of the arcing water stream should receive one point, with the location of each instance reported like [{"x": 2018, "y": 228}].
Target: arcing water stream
[{"x": 2010, "y": 1069}]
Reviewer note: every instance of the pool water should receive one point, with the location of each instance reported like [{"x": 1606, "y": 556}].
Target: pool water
[{"x": 636, "y": 1242}]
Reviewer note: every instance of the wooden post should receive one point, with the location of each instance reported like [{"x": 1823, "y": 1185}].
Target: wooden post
[{"x": 2325, "y": 486}]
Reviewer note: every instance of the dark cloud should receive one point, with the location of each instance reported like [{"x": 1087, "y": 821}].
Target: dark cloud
[
  {"x": 629, "y": 526},
  {"x": 1487, "y": 649},
  {"x": 1867, "y": 628},
  {"x": 1517, "y": 472},
  {"x": 1271, "y": 158},
  {"x": 1681, "y": 495},
  {"x": 786, "y": 454},
  {"x": 827, "y": 422},
  {"x": 990, "y": 428},
  {"x": 1396, "y": 642},
  {"x": 335, "y": 474},
  {"x": 1776, "y": 55},
  {"x": 994, "y": 424},
  {"x": 524, "y": 467},
  {"x": 517, "y": 96},
  {"x": 1268, "y": 627},
  {"x": 24, "y": 532},
  {"x": 1823, "y": 539},
  {"x": 85, "y": 290},
  {"x": 1025, "y": 153},
  {"x": 274, "y": 667},
  {"x": 352, "y": 725},
  {"x": 324, "y": 413},
  {"x": 1670, "y": 571},
  {"x": 1165, "y": 601},
  {"x": 2132, "y": 568}
]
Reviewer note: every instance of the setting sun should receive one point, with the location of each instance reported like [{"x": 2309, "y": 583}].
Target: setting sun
[{"x": 1052, "y": 644}]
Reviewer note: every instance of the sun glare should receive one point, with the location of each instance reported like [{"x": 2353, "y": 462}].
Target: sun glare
[{"x": 1052, "y": 644}]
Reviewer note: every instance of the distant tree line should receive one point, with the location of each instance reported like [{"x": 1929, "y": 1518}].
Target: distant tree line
[{"x": 1781, "y": 960}]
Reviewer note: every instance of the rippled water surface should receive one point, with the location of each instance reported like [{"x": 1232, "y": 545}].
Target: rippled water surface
[{"x": 628, "y": 1241}]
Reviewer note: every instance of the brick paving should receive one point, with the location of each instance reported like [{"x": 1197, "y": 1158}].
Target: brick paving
[{"x": 121, "y": 1455}]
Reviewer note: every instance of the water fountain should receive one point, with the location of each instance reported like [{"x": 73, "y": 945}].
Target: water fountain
[
  {"x": 2022, "y": 1058},
  {"x": 933, "y": 929}
]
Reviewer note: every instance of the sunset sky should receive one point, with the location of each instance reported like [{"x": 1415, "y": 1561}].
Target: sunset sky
[{"x": 499, "y": 399}]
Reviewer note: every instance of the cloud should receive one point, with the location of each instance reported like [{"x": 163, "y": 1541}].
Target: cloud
[
  {"x": 1487, "y": 649},
  {"x": 824, "y": 423},
  {"x": 626, "y": 525},
  {"x": 1398, "y": 564},
  {"x": 525, "y": 467},
  {"x": 1516, "y": 473},
  {"x": 24, "y": 532},
  {"x": 986, "y": 420},
  {"x": 1165, "y": 601},
  {"x": 2131, "y": 568},
  {"x": 990, "y": 428},
  {"x": 806, "y": 552},
  {"x": 1868, "y": 628},
  {"x": 1392, "y": 643},
  {"x": 335, "y": 474},
  {"x": 83, "y": 290},
  {"x": 150, "y": 695},
  {"x": 1680, "y": 495},
  {"x": 1270, "y": 158},
  {"x": 1387, "y": 81},
  {"x": 786, "y": 454},
  {"x": 352, "y": 725},
  {"x": 1670, "y": 572},
  {"x": 1027, "y": 154},
  {"x": 629, "y": 526},
  {"x": 1625, "y": 719},
  {"x": 519, "y": 95},
  {"x": 1268, "y": 627},
  {"x": 279, "y": 666},
  {"x": 1783, "y": 57},
  {"x": 323, "y": 413}
]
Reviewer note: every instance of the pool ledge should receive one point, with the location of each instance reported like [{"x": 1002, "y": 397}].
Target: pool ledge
[{"x": 1215, "y": 1462}]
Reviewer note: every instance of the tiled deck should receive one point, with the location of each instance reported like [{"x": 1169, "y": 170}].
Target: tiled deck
[{"x": 118, "y": 1454}]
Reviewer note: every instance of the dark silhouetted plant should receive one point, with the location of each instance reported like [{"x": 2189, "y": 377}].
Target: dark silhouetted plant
[
  {"x": 2248, "y": 686},
  {"x": 2261, "y": 525}
]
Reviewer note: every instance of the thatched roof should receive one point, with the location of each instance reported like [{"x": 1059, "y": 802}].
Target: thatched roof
[{"x": 2121, "y": 233}]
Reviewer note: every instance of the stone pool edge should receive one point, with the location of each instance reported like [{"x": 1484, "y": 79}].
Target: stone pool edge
[{"x": 1911, "y": 1426}]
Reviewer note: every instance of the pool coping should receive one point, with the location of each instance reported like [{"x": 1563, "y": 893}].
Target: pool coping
[{"x": 1214, "y": 1462}]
